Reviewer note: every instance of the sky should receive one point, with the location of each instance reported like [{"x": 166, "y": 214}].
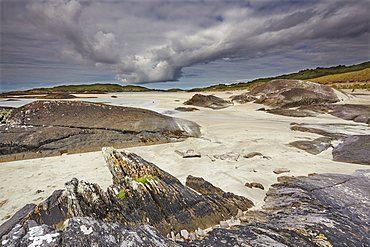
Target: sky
[{"x": 175, "y": 43}]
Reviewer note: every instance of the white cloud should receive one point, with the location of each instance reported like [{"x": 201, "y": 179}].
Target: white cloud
[{"x": 154, "y": 40}]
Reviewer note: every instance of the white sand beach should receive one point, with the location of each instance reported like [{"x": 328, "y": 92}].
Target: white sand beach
[{"x": 239, "y": 128}]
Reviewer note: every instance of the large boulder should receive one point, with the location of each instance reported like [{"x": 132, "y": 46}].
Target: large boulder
[
  {"x": 47, "y": 128},
  {"x": 353, "y": 149},
  {"x": 80, "y": 114},
  {"x": 209, "y": 101},
  {"x": 291, "y": 93}
]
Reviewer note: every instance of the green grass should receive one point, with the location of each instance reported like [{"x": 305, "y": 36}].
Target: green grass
[
  {"x": 122, "y": 194},
  {"x": 145, "y": 179},
  {"x": 356, "y": 75}
]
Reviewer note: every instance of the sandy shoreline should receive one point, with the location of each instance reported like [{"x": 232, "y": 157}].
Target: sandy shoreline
[{"x": 239, "y": 128}]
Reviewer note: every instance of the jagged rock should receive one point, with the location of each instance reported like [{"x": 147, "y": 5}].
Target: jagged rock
[
  {"x": 85, "y": 231},
  {"x": 225, "y": 199},
  {"x": 292, "y": 93},
  {"x": 46, "y": 128},
  {"x": 141, "y": 193},
  {"x": 17, "y": 218},
  {"x": 320, "y": 210},
  {"x": 315, "y": 146},
  {"x": 5, "y": 113},
  {"x": 353, "y": 149},
  {"x": 209, "y": 101},
  {"x": 333, "y": 130},
  {"x": 281, "y": 170},
  {"x": 202, "y": 186},
  {"x": 255, "y": 185},
  {"x": 190, "y": 153}
]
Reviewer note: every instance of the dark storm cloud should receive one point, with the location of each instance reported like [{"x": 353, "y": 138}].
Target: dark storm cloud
[{"x": 146, "y": 41}]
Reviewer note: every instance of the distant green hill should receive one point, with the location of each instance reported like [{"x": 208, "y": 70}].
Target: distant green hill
[
  {"x": 90, "y": 88},
  {"x": 307, "y": 74}
]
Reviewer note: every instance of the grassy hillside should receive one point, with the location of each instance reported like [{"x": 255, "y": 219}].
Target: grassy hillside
[
  {"x": 350, "y": 76},
  {"x": 307, "y": 74},
  {"x": 92, "y": 88}
]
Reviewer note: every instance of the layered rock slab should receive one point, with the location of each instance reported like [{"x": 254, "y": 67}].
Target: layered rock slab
[
  {"x": 320, "y": 210},
  {"x": 353, "y": 149},
  {"x": 47, "y": 128}
]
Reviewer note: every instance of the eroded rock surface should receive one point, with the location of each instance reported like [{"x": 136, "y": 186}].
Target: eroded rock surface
[
  {"x": 315, "y": 146},
  {"x": 209, "y": 101},
  {"x": 141, "y": 193},
  {"x": 291, "y": 93},
  {"x": 46, "y": 128},
  {"x": 321, "y": 210},
  {"x": 353, "y": 149},
  {"x": 333, "y": 130},
  {"x": 318, "y": 210}
]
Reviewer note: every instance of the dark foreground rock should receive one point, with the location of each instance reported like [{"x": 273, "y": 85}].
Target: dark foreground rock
[
  {"x": 291, "y": 93},
  {"x": 353, "y": 149},
  {"x": 141, "y": 193},
  {"x": 209, "y": 101},
  {"x": 46, "y": 128},
  {"x": 321, "y": 210},
  {"x": 318, "y": 210}
]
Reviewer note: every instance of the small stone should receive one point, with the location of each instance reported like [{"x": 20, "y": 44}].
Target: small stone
[
  {"x": 224, "y": 224},
  {"x": 200, "y": 232},
  {"x": 239, "y": 214},
  {"x": 190, "y": 153},
  {"x": 281, "y": 170},
  {"x": 193, "y": 236},
  {"x": 252, "y": 154},
  {"x": 173, "y": 236},
  {"x": 255, "y": 185},
  {"x": 215, "y": 227},
  {"x": 232, "y": 220},
  {"x": 178, "y": 237},
  {"x": 244, "y": 219},
  {"x": 185, "y": 234}
]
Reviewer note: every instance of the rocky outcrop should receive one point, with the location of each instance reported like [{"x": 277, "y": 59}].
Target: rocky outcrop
[
  {"x": 209, "y": 101},
  {"x": 85, "y": 231},
  {"x": 318, "y": 210},
  {"x": 315, "y": 146},
  {"x": 321, "y": 210},
  {"x": 46, "y": 128},
  {"x": 291, "y": 93},
  {"x": 141, "y": 193},
  {"x": 353, "y": 149}
]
